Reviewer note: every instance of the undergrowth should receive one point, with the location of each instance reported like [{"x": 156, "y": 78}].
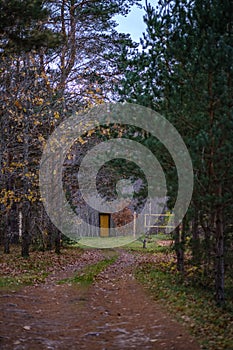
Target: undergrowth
[
  {"x": 16, "y": 271},
  {"x": 212, "y": 326}
]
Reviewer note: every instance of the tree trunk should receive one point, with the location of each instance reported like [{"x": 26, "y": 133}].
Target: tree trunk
[
  {"x": 25, "y": 231},
  {"x": 219, "y": 257},
  {"x": 195, "y": 242},
  {"x": 25, "y": 244},
  {"x": 207, "y": 250},
  {"x": 179, "y": 250},
  {"x": 57, "y": 241},
  {"x": 7, "y": 232},
  {"x": 49, "y": 244}
]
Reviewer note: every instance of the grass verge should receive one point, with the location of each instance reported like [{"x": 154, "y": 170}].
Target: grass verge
[
  {"x": 24, "y": 279},
  {"x": 87, "y": 276},
  {"x": 154, "y": 243},
  {"x": 16, "y": 271},
  {"x": 211, "y": 326}
]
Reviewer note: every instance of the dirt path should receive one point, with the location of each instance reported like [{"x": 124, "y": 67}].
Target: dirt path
[{"x": 115, "y": 313}]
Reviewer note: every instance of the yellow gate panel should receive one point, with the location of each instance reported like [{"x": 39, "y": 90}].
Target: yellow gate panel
[{"x": 104, "y": 225}]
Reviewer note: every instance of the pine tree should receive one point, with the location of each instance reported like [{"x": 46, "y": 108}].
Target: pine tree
[
  {"x": 186, "y": 73},
  {"x": 22, "y": 26}
]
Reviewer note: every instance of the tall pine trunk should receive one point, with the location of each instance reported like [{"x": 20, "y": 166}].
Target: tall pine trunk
[
  {"x": 219, "y": 257},
  {"x": 26, "y": 210},
  {"x": 195, "y": 242}
]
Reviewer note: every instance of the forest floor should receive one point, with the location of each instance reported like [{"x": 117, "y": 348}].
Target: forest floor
[{"x": 113, "y": 312}]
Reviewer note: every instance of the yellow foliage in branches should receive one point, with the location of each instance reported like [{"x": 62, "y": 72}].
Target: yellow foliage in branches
[
  {"x": 38, "y": 101},
  {"x": 80, "y": 140},
  {"x": 56, "y": 115}
]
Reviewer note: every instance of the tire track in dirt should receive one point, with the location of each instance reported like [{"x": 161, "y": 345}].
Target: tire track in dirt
[{"x": 114, "y": 313}]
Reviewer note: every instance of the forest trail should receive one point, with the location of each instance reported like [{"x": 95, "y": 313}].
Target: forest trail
[{"x": 113, "y": 313}]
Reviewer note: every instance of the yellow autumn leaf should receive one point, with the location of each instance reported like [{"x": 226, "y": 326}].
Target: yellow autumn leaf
[
  {"x": 80, "y": 140},
  {"x": 38, "y": 101},
  {"x": 19, "y": 138},
  {"x": 90, "y": 132},
  {"x": 40, "y": 138},
  {"x": 56, "y": 115}
]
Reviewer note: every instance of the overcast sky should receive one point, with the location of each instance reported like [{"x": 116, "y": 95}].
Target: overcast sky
[{"x": 133, "y": 23}]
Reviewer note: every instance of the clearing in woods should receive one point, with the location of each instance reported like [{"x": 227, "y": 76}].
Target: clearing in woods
[{"x": 114, "y": 312}]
